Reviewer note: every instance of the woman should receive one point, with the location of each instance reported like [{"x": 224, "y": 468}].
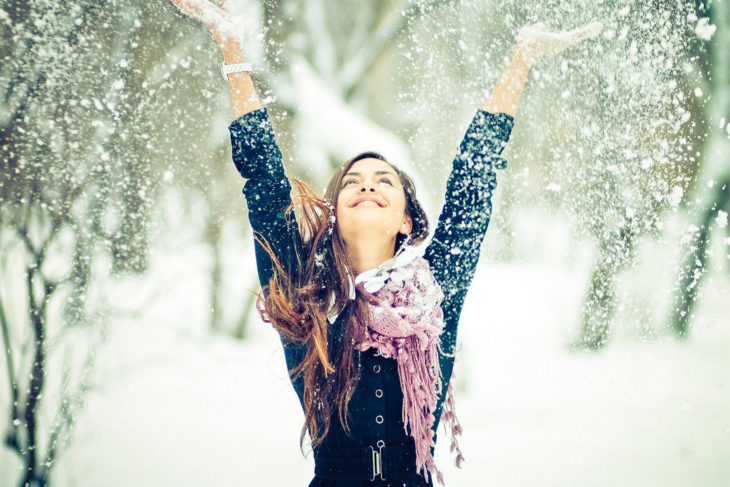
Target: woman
[{"x": 367, "y": 317}]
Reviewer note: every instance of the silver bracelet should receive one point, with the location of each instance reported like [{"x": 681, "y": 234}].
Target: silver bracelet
[{"x": 227, "y": 69}]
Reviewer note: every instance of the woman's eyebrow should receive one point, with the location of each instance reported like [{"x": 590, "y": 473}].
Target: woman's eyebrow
[{"x": 377, "y": 173}]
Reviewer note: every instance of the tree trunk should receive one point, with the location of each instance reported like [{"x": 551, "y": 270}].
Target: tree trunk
[
  {"x": 243, "y": 323},
  {"x": 213, "y": 239},
  {"x": 599, "y": 305},
  {"x": 38, "y": 309},
  {"x": 711, "y": 187}
]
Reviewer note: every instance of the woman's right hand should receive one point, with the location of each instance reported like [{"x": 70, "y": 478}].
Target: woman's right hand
[
  {"x": 216, "y": 16},
  {"x": 534, "y": 41}
]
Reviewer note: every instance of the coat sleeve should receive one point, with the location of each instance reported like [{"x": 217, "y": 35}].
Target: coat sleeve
[
  {"x": 267, "y": 190},
  {"x": 454, "y": 250}
]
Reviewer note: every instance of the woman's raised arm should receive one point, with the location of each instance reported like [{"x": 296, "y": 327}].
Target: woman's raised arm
[
  {"x": 532, "y": 42},
  {"x": 217, "y": 18},
  {"x": 255, "y": 152},
  {"x": 454, "y": 250}
]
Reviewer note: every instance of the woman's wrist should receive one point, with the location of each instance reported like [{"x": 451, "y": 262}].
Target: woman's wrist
[
  {"x": 506, "y": 94},
  {"x": 231, "y": 50},
  {"x": 525, "y": 53},
  {"x": 233, "y": 57}
]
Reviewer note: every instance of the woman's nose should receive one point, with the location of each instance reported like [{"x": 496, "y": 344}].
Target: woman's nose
[{"x": 366, "y": 186}]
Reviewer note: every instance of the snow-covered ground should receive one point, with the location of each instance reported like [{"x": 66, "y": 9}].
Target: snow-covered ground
[{"x": 178, "y": 407}]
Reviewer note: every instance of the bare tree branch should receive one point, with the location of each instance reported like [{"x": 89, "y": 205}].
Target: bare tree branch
[
  {"x": 12, "y": 439},
  {"x": 66, "y": 416}
]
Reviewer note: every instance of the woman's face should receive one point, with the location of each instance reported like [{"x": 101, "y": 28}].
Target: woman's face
[{"x": 371, "y": 203}]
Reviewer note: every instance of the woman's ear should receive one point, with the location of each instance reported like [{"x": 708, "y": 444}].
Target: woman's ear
[{"x": 406, "y": 226}]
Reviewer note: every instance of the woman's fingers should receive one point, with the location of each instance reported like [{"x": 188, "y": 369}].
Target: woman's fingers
[
  {"x": 215, "y": 16},
  {"x": 187, "y": 8},
  {"x": 536, "y": 40},
  {"x": 203, "y": 11},
  {"x": 224, "y": 5},
  {"x": 578, "y": 35},
  {"x": 585, "y": 32},
  {"x": 590, "y": 30}
]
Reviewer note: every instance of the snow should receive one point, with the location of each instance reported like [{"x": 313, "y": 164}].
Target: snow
[
  {"x": 704, "y": 29},
  {"x": 721, "y": 219},
  {"x": 675, "y": 197}
]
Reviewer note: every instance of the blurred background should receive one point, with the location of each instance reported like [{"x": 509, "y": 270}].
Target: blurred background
[{"x": 595, "y": 339}]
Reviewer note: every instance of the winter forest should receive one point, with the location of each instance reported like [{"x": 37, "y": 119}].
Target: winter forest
[{"x": 594, "y": 343}]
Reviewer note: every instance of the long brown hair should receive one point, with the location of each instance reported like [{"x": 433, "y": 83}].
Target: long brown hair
[{"x": 297, "y": 304}]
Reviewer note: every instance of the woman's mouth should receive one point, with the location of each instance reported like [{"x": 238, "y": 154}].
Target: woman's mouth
[{"x": 367, "y": 202}]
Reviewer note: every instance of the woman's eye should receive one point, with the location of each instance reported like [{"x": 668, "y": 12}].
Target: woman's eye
[{"x": 381, "y": 180}]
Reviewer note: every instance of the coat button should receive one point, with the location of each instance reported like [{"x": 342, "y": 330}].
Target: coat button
[
  {"x": 379, "y": 419},
  {"x": 376, "y": 369},
  {"x": 378, "y": 393}
]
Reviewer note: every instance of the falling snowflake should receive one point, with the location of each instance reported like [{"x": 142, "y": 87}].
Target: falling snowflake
[
  {"x": 721, "y": 219},
  {"x": 675, "y": 197},
  {"x": 704, "y": 29}
]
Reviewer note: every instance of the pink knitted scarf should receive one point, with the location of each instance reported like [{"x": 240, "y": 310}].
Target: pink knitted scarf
[{"x": 404, "y": 322}]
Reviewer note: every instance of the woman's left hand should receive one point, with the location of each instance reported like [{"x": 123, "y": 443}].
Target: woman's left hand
[
  {"x": 217, "y": 17},
  {"x": 535, "y": 40}
]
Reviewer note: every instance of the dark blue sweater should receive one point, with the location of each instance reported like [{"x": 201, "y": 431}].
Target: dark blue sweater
[{"x": 453, "y": 252}]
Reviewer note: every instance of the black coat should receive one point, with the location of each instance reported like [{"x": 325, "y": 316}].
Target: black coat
[{"x": 377, "y": 432}]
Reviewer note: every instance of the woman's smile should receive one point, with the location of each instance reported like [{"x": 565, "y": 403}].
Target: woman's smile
[{"x": 367, "y": 201}]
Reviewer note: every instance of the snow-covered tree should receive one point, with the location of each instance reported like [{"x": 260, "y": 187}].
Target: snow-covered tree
[{"x": 75, "y": 185}]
